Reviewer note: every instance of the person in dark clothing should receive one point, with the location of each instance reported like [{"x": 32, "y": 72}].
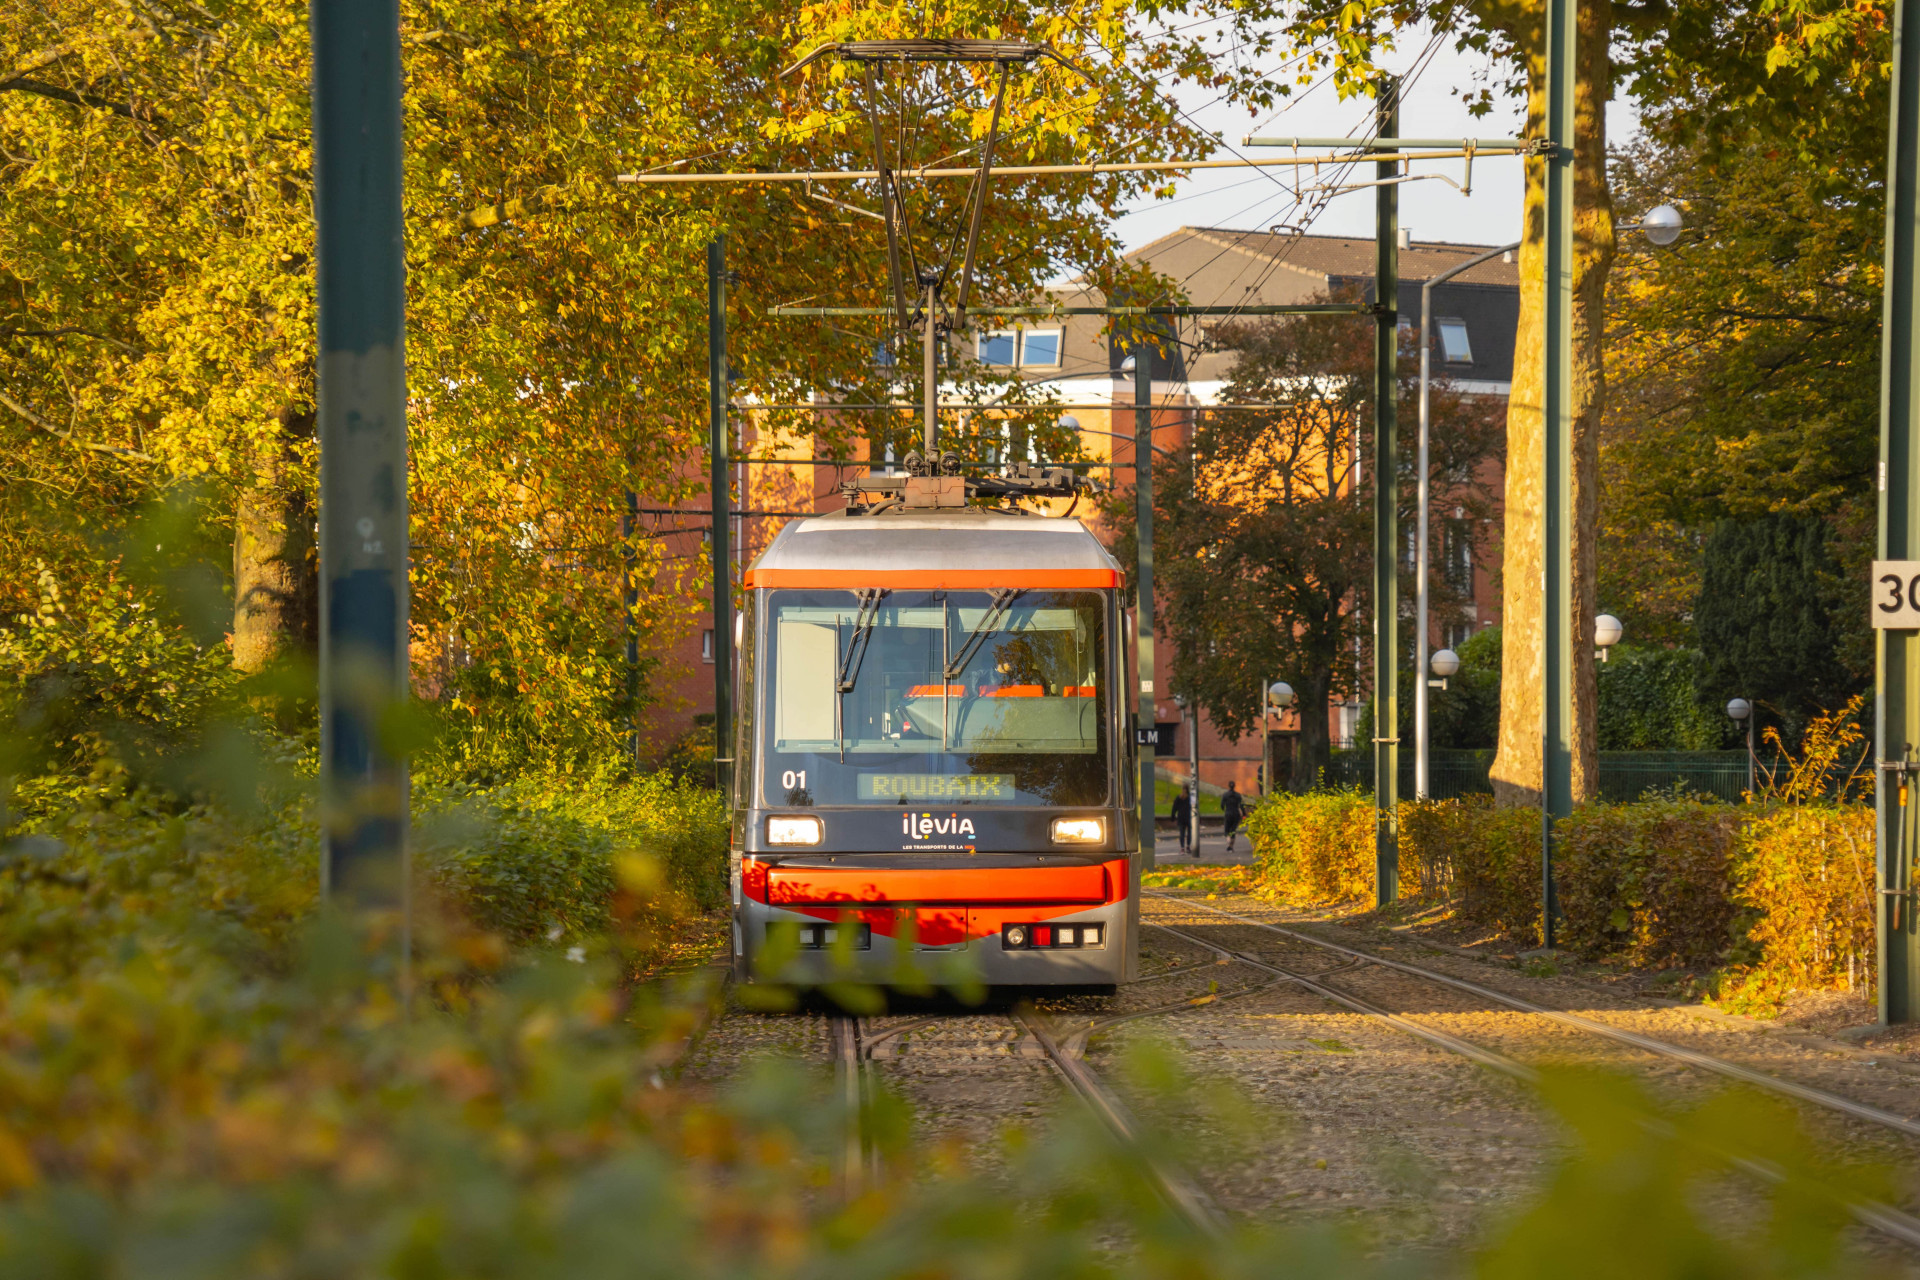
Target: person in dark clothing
[
  {"x": 1183, "y": 819},
  {"x": 1231, "y": 806}
]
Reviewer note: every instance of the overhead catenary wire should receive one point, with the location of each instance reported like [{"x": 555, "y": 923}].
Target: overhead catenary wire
[{"x": 1440, "y": 150}]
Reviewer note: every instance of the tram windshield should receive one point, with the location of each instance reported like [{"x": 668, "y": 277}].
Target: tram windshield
[{"x": 935, "y": 697}]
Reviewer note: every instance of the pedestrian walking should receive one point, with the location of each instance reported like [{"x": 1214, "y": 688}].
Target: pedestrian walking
[
  {"x": 1231, "y": 805},
  {"x": 1183, "y": 819}
]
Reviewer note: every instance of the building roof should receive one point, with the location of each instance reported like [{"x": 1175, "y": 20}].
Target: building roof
[{"x": 1348, "y": 258}]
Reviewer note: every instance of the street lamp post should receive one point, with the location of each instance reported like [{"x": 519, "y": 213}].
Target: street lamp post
[
  {"x": 1190, "y": 711},
  {"x": 1741, "y": 712},
  {"x": 1421, "y": 602},
  {"x": 1277, "y": 696}
]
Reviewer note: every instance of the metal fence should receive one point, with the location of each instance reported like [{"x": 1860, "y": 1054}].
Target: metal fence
[{"x": 1624, "y": 775}]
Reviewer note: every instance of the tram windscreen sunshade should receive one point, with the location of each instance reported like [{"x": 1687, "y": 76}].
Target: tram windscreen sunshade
[{"x": 1021, "y": 706}]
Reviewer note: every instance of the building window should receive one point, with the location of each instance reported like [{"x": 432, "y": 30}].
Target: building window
[
  {"x": 1013, "y": 348},
  {"x": 1454, "y": 346},
  {"x": 706, "y": 645},
  {"x": 1000, "y": 348},
  {"x": 1457, "y": 556},
  {"x": 1040, "y": 348}
]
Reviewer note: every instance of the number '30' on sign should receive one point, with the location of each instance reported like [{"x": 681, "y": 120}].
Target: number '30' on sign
[{"x": 1896, "y": 595}]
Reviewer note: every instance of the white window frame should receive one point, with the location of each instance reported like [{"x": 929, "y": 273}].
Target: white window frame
[
  {"x": 1446, "y": 350},
  {"x": 980, "y": 347},
  {"x": 1059, "y": 348}
]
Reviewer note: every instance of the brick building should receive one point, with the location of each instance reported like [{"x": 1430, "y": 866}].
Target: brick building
[{"x": 1475, "y": 317}]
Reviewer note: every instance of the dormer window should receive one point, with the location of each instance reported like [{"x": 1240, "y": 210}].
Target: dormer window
[
  {"x": 1021, "y": 348},
  {"x": 1454, "y": 347}
]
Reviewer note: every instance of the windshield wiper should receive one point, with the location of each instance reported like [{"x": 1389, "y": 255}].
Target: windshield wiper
[
  {"x": 996, "y": 614},
  {"x": 863, "y": 625}
]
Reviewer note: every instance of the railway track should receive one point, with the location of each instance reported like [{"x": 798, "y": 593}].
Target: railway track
[
  {"x": 1883, "y": 1218},
  {"x": 853, "y": 1067}
]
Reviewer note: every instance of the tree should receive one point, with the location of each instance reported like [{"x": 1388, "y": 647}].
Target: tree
[
  {"x": 1747, "y": 359},
  {"x": 1265, "y": 531},
  {"x": 156, "y": 301},
  {"x": 1811, "y": 70},
  {"x": 1770, "y": 598}
]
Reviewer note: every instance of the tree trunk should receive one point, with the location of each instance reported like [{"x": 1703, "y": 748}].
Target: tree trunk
[
  {"x": 276, "y": 584},
  {"x": 1516, "y": 772},
  {"x": 1310, "y": 750}
]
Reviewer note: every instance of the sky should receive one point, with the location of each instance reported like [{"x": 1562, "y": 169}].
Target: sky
[{"x": 1247, "y": 199}]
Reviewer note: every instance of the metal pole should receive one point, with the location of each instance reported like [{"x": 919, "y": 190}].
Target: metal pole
[
  {"x": 1386, "y": 514},
  {"x": 1143, "y": 606},
  {"x": 360, "y": 287},
  {"x": 629, "y": 523},
  {"x": 720, "y": 551},
  {"x": 1751, "y": 712},
  {"x": 1193, "y": 777},
  {"x": 930, "y": 371},
  {"x": 1556, "y": 604},
  {"x": 1896, "y": 700},
  {"x": 1423, "y": 643}
]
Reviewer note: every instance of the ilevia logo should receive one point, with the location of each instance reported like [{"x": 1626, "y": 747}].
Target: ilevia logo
[{"x": 923, "y": 827}]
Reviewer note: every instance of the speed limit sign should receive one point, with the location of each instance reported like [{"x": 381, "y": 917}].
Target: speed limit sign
[{"x": 1896, "y": 595}]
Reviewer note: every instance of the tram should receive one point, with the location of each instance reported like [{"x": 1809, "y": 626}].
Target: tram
[{"x": 934, "y": 755}]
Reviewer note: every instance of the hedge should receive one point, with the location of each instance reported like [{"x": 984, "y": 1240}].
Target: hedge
[{"x": 1778, "y": 897}]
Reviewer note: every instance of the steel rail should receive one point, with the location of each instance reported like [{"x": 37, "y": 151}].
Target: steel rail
[
  {"x": 1884, "y": 1218},
  {"x": 1076, "y": 1043},
  {"x": 1505, "y": 147},
  {"x": 1705, "y": 1062},
  {"x": 1178, "y": 1189},
  {"x": 849, "y": 1079}
]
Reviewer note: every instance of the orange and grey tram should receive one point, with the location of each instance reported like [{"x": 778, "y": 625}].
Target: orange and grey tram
[{"x": 934, "y": 754}]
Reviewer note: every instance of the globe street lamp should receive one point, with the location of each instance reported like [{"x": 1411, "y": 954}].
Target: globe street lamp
[
  {"x": 1741, "y": 712},
  {"x": 1662, "y": 225},
  {"x": 1606, "y": 633}
]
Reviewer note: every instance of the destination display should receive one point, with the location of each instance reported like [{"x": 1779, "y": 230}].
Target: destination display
[{"x": 917, "y": 787}]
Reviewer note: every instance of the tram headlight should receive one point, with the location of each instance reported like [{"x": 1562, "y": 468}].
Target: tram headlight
[
  {"x": 1079, "y": 831},
  {"x": 796, "y": 830}
]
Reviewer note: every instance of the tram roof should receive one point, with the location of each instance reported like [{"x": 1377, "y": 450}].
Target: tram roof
[{"x": 956, "y": 548}]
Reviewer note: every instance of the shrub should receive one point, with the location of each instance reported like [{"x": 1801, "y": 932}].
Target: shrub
[
  {"x": 541, "y": 857},
  {"x": 1490, "y": 857},
  {"x": 1647, "y": 702},
  {"x": 1317, "y": 847},
  {"x": 1806, "y": 875},
  {"x": 1650, "y": 883}
]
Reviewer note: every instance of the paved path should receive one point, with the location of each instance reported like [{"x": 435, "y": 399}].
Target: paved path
[{"x": 1213, "y": 849}]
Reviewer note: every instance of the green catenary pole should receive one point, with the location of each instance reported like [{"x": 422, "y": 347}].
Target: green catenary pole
[
  {"x": 1897, "y": 691},
  {"x": 722, "y": 514},
  {"x": 1143, "y": 609},
  {"x": 1386, "y": 513},
  {"x": 360, "y": 288},
  {"x": 1556, "y": 551}
]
